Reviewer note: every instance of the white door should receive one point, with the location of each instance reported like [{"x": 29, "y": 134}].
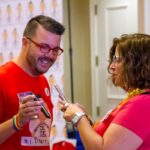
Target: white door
[{"x": 109, "y": 19}]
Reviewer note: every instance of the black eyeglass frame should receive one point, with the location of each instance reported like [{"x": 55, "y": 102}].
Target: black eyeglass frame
[{"x": 45, "y": 48}]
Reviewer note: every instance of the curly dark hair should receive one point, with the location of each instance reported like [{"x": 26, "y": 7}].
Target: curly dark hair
[
  {"x": 134, "y": 50},
  {"x": 46, "y": 22}
]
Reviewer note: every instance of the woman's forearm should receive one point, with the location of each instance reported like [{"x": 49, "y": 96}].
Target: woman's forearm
[{"x": 90, "y": 139}]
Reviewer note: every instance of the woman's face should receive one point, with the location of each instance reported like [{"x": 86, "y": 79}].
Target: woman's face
[{"x": 115, "y": 68}]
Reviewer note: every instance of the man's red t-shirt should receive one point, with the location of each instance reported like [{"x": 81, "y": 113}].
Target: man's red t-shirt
[{"x": 35, "y": 135}]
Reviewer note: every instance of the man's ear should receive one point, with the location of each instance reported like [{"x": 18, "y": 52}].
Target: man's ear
[{"x": 24, "y": 41}]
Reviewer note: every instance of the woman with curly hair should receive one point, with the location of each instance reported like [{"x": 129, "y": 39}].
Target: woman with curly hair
[{"x": 127, "y": 127}]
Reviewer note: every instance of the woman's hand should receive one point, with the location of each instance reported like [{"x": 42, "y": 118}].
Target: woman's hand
[{"x": 70, "y": 109}]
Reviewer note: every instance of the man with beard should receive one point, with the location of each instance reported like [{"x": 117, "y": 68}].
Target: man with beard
[{"x": 25, "y": 103}]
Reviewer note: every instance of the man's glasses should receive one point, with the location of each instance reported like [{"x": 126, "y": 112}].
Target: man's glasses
[{"x": 45, "y": 48}]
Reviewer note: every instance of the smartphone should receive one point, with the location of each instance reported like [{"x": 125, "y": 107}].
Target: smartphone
[{"x": 43, "y": 108}]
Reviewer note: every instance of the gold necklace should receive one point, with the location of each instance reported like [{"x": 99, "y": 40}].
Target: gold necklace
[{"x": 135, "y": 92}]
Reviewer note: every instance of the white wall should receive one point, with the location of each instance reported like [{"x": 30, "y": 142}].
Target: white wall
[{"x": 147, "y": 16}]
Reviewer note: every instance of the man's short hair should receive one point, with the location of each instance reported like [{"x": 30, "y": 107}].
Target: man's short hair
[{"x": 46, "y": 22}]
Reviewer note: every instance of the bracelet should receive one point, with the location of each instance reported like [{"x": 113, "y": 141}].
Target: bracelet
[
  {"x": 15, "y": 124},
  {"x": 91, "y": 122},
  {"x": 76, "y": 118}
]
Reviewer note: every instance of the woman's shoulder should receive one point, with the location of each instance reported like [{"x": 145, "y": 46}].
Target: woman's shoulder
[
  {"x": 140, "y": 100},
  {"x": 140, "y": 97}
]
